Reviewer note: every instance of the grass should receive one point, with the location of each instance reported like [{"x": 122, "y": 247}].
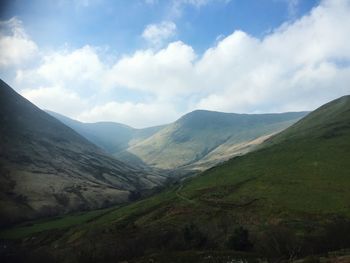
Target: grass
[
  {"x": 101, "y": 217},
  {"x": 299, "y": 179},
  {"x": 196, "y": 134},
  {"x": 61, "y": 222},
  {"x": 302, "y": 170},
  {"x": 295, "y": 180},
  {"x": 286, "y": 184},
  {"x": 198, "y": 256}
]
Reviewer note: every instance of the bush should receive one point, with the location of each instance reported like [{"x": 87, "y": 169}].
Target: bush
[
  {"x": 193, "y": 237},
  {"x": 239, "y": 240},
  {"x": 331, "y": 236},
  {"x": 312, "y": 259},
  {"x": 277, "y": 243}
]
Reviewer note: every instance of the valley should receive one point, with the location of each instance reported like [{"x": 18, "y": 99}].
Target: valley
[
  {"x": 276, "y": 193},
  {"x": 178, "y": 131},
  {"x": 195, "y": 142}
]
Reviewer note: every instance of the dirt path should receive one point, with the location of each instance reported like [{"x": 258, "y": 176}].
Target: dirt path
[{"x": 179, "y": 195}]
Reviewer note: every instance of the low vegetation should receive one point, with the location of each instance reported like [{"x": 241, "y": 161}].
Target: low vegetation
[{"x": 284, "y": 202}]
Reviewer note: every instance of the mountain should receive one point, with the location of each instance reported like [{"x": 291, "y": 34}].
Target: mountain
[
  {"x": 201, "y": 139},
  {"x": 47, "y": 168},
  {"x": 303, "y": 169},
  {"x": 197, "y": 141},
  {"x": 110, "y": 136},
  {"x": 287, "y": 199}
]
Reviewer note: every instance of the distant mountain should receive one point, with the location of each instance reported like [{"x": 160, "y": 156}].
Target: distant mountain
[
  {"x": 197, "y": 141},
  {"x": 46, "y": 168},
  {"x": 201, "y": 139},
  {"x": 110, "y": 136}
]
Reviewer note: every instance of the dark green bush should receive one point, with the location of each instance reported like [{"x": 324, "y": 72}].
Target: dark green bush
[
  {"x": 239, "y": 240},
  {"x": 312, "y": 259},
  {"x": 193, "y": 237}
]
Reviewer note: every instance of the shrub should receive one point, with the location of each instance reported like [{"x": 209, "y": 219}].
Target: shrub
[
  {"x": 277, "y": 243},
  {"x": 239, "y": 240},
  {"x": 193, "y": 237},
  {"x": 312, "y": 259}
]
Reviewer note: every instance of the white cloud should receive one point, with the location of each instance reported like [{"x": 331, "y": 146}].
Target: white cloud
[
  {"x": 177, "y": 6},
  {"x": 298, "y": 66},
  {"x": 15, "y": 46},
  {"x": 164, "y": 73},
  {"x": 151, "y": 2},
  {"x": 80, "y": 69},
  {"x": 292, "y": 7},
  {"x": 157, "y": 34},
  {"x": 196, "y": 3},
  {"x": 56, "y": 99},
  {"x": 135, "y": 114},
  {"x": 296, "y": 63}
]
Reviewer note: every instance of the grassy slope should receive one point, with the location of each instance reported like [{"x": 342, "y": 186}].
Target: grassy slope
[
  {"x": 198, "y": 133},
  {"x": 299, "y": 178},
  {"x": 60, "y": 222},
  {"x": 304, "y": 169}
]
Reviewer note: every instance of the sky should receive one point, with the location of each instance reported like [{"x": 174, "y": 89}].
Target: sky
[{"x": 148, "y": 62}]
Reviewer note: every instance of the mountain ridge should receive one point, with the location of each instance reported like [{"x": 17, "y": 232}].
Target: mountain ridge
[
  {"x": 153, "y": 146},
  {"x": 113, "y": 137},
  {"x": 286, "y": 200},
  {"x": 196, "y": 134},
  {"x": 47, "y": 168}
]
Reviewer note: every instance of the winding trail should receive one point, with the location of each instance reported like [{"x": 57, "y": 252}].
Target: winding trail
[{"x": 179, "y": 195}]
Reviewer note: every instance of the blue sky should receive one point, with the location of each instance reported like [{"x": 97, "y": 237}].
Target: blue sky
[
  {"x": 119, "y": 24},
  {"x": 147, "y": 62}
]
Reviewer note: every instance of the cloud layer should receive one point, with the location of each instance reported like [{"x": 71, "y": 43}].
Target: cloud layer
[
  {"x": 156, "y": 34},
  {"x": 15, "y": 46},
  {"x": 299, "y": 66}
]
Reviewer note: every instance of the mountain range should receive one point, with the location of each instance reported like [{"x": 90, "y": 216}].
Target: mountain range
[
  {"x": 111, "y": 136},
  {"x": 196, "y": 141},
  {"x": 56, "y": 165},
  {"x": 282, "y": 193},
  {"x": 286, "y": 199}
]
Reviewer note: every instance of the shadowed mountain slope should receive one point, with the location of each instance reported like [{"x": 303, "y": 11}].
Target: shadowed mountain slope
[{"x": 46, "y": 168}]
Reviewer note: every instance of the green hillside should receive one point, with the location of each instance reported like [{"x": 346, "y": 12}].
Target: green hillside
[
  {"x": 197, "y": 134},
  {"x": 296, "y": 170},
  {"x": 288, "y": 199}
]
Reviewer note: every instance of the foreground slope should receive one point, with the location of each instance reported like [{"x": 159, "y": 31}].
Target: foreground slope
[
  {"x": 204, "y": 138},
  {"x": 289, "y": 198},
  {"x": 304, "y": 169},
  {"x": 46, "y": 168},
  {"x": 110, "y": 136}
]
